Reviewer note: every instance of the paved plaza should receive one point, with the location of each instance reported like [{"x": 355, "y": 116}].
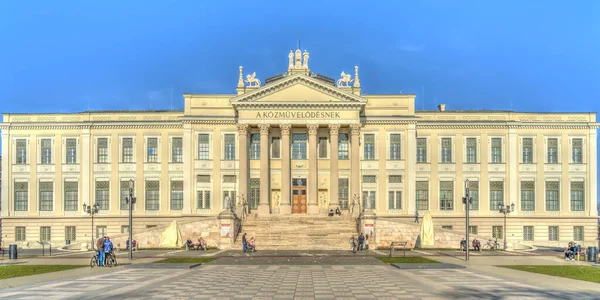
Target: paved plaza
[{"x": 260, "y": 281}]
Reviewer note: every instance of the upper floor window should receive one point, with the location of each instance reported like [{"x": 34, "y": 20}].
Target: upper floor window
[
  {"x": 395, "y": 146},
  {"x": 446, "y": 195},
  {"x": 46, "y": 196},
  {"x": 343, "y": 152},
  {"x": 176, "y": 195},
  {"x": 71, "y": 146},
  {"x": 103, "y": 194},
  {"x": 577, "y": 196},
  {"x": 127, "y": 150},
  {"x": 527, "y": 195},
  {"x": 552, "y": 195},
  {"x": 71, "y": 196},
  {"x": 203, "y": 148},
  {"x": 421, "y": 150},
  {"x": 527, "y": 150},
  {"x": 177, "y": 150},
  {"x": 577, "y": 151},
  {"x": 229, "y": 147},
  {"x": 474, "y": 194},
  {"x": 552, "y": 150},
  {"x": 276, "y": 147},
  {"x": 322, "y": 147},
  {"x": 299, "y": 146},
  {"x": 21, "y": 151},
  {"x": 152, "y": 150},
  {"x": 446, "y": 150},
  {"x": 496, "y": 150},
  {"x": 255, "y": 146},
  {"x": 102, "y": 150},
  {"x": 496, "y": 195},
  {"x": 46, "y": 151},
  {"x": 422, "y": 193},
  {"x": 471, "y": 150},
  {"x": 21, "y": 196},
  {"x": 369, "y": 146},
  {"x": 152, "y": 195}
]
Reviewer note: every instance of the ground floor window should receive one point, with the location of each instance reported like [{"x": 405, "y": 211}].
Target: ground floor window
[
  {"x": 395, "y": 199},
  {"x": 202, "y": 199},
  {"x": 45, "y": 233},
  {"x": 473, "y": 230},
  {"x": 578, "y": 233},
  {"x": 343, "y": 192},
  {"x": 124, "y": 228},
  {"x": 447, "y": 227},
  {"x": 20, "y": 234},
  {"x": 254, "y": 198},
  {"x": 369, "y": 196},
  {"x": 528, "y": 233},
  {"x": 553, "y": 233},
  {"x": 101, "y": 231},
  {"x": 70, "y": 233},
  {"x": 497, "y": 232}
]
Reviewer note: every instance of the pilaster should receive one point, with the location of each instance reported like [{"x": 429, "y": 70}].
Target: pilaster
[
  {"x": 188, "y": 163},
  {"x": 243, "y": 157},
  {"x": 593, "y": 169},
  {"x": 313, "y": 188},
  {"x": 333, "y": 166},
  {"x": 355, "y": 163},
  {"x": 265, "y": 191},
  {"x": 5, "y": 208},
  {"x": 513, "y": 166},
  {"x": 411, "y": 167},
  {"x": 286, "y": 182},
  {"x": 86, "y": 166}
]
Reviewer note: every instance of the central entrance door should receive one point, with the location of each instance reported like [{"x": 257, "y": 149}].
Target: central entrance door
[{"x": 299, "y": 196}]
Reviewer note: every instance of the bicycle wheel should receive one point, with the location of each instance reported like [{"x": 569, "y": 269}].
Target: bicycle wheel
[
  {"x": 94, "y": 261},
  {"x": 114, "y": 260}
]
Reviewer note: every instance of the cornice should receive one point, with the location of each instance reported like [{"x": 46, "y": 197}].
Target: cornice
[
  {"x": 505, "y": 126},
  {"x": 91, "y": 125},
  {"x": 299, "y": 105}
]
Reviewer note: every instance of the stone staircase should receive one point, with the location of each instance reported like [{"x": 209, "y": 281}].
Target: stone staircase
[{"x": 304, "y": 232}]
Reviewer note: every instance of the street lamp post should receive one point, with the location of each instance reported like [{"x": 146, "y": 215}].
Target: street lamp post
[
  {"x": 91, "y": 210},
  {"x": 130, "y": 201},
  {"x": 505, "y": 210},
  {"x": 467, "y": 201}
]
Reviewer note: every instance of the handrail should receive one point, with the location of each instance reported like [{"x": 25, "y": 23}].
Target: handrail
[{"x": 392, "y": 247}]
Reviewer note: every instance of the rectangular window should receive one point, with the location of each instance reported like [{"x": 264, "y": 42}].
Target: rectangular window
[
  {"x": 21, "y": 196},
  {"x": 177, "y": 150},
  {"x": 527, "y": 150},
  {"x": 227, "y": 178},
  {"x": 553, "y": 151},
  {"x": 577, "y": 151},
  {"x": 102, "y": 150},
  {"x": 473, "y": 230},
  {"x": 124, "y": 228},
  {"x": 70, "y": 233},
  {"x": 71, "y": 146},
  {"x": 101, "y": 231},
  {"x": 552, "y": 196},
  {"x": 496, "y": 195},
  {"x": 528, "y": 233},
  {"x": 369, "y": 146},
  {"x": 496, "y": 150},
  {"x": 203, "y": 147},
  {"x": 152, "y": 195},
  {"x": 205, "y": 178},
  {"x": 203, "y": 199},
  {"x": 254, "y": 193},
  {"x": 102, "y": 194},
  {"x": 578, "y": 233},
  {"x": 276, "y": 147},
  {"x": 446, "y": 195},
  {"x": 422, "y": 192},
  {"x": 229, "y": 147},
  {"x": 395, "y": 199},
  {"x": 322, "y": 147},
  {"x": 46, "y": 151},
  {"x": 254, "y": 146},
  {"x": 127, "y": 150},
  {"x": 176, "y": 195},
  {"x": 395, "y": 179},
  {"x": 343, "y": 146},
  {"x": 45, "y": 234},
  {"x": 497, "y": 232},
  {"x": 20, "y": 234},
  {"x": 577, "y": 196},
  {"x": 124, "y": 195},
  {"x": 395, "y": 146},
  {"x": 299, "y": 146},
  {"x": 421, "y": 150},
  {"x": 474, "y": 194},
  {"x": 369, "y": 179},
  {"x": 447, "y": 227},
  {"x": 71, "y": 196},
  {"x": 152, "y": 150},
  {"x": 471, "y": 150},
  {"x": 553, "y": 233},
  {"x": 46, "y": 196},
  {"x": 369, "y": 196},
  {"x": 527, "y": 195},
  {"x": 446, "y": 150},
  {"x": 21, "y": 147},
  {"x": 343, "y": 192}
]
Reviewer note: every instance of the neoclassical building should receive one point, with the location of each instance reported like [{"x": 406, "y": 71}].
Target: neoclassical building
[{"x": 301, "y": 143}]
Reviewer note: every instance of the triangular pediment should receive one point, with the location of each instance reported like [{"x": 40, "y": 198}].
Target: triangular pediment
[{"x": 298, "y": 88}]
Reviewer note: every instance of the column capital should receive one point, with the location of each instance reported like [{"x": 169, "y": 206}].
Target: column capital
[
  {"x": 242, "y": 128},
  {"x": 285, "y": 129},
  {"x": 264, "y": 129},
  {"x": 355, "y": 129},
  {"x": 334, "y": 129},
  {"x": 312, "y": 129}
]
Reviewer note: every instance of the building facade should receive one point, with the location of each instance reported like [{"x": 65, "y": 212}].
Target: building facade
[{"x": 300, "y": 144}]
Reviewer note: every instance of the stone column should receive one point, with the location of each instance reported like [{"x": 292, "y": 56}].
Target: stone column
[
  {"x": 286, "y": 201},
  {"x": 87, "y": 164},
  {"x": 243, "y": 158},
  {"x": 513, "y": 166},
  {"x": 333, "y": 166},
  {"x": 263, "y": 205},
  {"x": 313, "y": 174},
  {"x": 189, "y": 182},
  {"x": 355, "y": 164},
  {"x": 411, "y": 159},
  {"x": 8, "y": 157}
]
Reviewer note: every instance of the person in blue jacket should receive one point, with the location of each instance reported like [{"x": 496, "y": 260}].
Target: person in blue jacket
[{"x": 108, "y": 247}]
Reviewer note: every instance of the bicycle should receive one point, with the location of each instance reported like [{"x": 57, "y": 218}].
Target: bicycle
[
  {"x": 111, "y": 260},
  {"x": 492, "y": 246},
  {"x": 94, "y": 261}
]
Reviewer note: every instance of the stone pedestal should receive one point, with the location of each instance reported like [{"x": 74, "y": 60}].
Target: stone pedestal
[
  {"x": 367, "y": 226},
  {"x": 227, "y": 227}
]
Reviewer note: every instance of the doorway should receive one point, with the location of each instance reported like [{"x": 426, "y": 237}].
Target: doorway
[{"x": 299, "y": 196}]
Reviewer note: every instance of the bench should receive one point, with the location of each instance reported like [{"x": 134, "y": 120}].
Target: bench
[{"x": 395, "y": 245}]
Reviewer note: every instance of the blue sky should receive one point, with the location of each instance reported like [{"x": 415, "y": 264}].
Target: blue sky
[{"x": 66, "y": 56}]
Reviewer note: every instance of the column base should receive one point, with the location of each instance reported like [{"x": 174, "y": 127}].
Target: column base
[
  {"x": 263, "y": 209},
  {"x": 285, "y": 210},
  {"x": 313, "y": 210}
]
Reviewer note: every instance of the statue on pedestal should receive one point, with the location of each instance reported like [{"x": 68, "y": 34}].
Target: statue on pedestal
[{"x": 227, "y": 204}]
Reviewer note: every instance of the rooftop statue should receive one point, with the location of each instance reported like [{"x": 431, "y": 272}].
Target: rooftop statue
[
  {"x": 252, "y": 80},
  {"x": 345, "y": 80}
]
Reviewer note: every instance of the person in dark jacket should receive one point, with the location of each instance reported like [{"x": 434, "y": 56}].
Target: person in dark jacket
[
  {"x": 361, "y": 242},
  {"x": 100, "y": 250},
  {"x": 108, "y": 247},
  {"x": 244, "y": 242}
]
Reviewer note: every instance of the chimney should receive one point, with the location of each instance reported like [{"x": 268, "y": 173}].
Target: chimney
[{"x": 442, "y": 107}]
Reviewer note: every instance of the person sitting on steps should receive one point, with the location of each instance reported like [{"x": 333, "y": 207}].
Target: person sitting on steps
[
  {"x": 338, "y": 212},
  {"x": 330, "y": 213}
]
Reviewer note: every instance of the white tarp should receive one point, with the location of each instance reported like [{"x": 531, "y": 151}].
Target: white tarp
[{"x": 171, "y": 237}]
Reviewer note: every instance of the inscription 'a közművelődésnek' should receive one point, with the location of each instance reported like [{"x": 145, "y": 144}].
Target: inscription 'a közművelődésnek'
[{"x": 298, "y": 115}]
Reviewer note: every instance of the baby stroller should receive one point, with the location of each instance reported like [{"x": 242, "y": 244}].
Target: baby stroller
[{"x": 251, "y": 247}]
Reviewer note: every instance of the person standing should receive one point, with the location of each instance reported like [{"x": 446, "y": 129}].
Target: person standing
[
  {"x": 416, "y": 216},
  {"x": 353, "y": 244},
  {"x": 361, "y": 242},
  {"x": 366, "y": 242},
  {"x": 100, "y": 250},
  {"x": 244, "y": 242},
  {"x": 108, "y": 247}
]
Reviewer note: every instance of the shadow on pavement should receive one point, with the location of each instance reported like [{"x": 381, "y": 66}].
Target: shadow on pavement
[{"x": 513, "y": 292}]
